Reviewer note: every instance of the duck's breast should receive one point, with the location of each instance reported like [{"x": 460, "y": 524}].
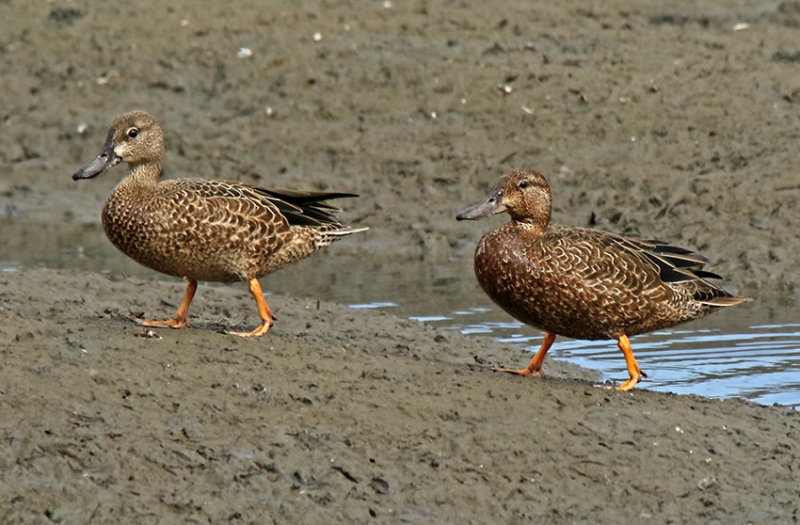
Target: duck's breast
[{"x": 508, "y": 269}]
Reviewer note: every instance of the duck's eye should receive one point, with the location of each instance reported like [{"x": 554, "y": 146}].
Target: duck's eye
[
  {"x": 133, "y": 132},
  {"x": 523, "y": 184}
]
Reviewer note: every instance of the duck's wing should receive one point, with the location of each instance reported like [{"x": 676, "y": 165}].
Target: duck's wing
[
  {"x": 609, "y": 260},
  {"x": 221, "y": 201},
  {"x": 682, "y": 268}
]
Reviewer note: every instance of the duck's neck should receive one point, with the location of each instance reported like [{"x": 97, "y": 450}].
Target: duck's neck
[
  {"x": 143, "y": 175},
  {"x": 531, "y": 226}
]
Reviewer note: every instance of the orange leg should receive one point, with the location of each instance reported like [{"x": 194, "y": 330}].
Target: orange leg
[
  {"x": 181, "y": 318},
  {"x": 535, "y": 366},
  {"x": 633, "y": 369},
  {"x": 263, "y": 310}
]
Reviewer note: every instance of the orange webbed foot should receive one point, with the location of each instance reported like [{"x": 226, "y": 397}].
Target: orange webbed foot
[
  {"x": 262, "y": 329},
  {"x": 628, "y": 385},
  {"x": 172, "y": 323},
  {"x": 181, "y": 317},
  {"x": 535, "y": 366},
  {"x": 519, "y": 371}
]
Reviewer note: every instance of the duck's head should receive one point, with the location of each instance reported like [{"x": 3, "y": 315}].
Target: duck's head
[
  {"x": 523, "y": 194},
  {"x": 134, "y": 137}
]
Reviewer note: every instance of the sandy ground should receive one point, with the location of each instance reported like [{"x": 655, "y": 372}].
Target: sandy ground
[{"x": 662, "y": 119}]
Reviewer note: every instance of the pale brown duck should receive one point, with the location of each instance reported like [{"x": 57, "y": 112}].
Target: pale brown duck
[
  {"x": 205, "y": 230},
  {"x": 584, "y": 283}
]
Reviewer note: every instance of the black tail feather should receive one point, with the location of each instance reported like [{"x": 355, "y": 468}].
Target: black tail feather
[{"x": 306, "y": 208}]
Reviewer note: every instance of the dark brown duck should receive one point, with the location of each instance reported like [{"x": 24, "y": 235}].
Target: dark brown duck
[
  {"x": 583, "y": 283},
  {"x": 205, "y": 230}
]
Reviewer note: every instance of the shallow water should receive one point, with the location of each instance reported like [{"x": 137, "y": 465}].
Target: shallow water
[
  {"x": 750, "y": 351},
  {"x": 760, "y": 362},
  {"x": 728, "y": 354}
]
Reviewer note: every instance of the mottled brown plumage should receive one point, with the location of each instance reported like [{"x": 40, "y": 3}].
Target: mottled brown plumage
[
  {"x": 205, "y": 230},
  {"x": 583, "y": 283}
]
